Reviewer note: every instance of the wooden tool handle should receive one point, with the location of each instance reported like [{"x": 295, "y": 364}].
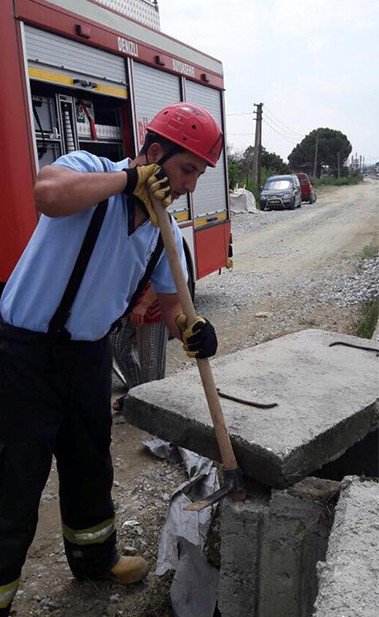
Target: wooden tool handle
[{"x": 227, "y": 455}]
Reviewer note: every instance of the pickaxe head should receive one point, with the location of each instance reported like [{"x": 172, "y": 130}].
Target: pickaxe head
[{"x": 233, "y": 485}]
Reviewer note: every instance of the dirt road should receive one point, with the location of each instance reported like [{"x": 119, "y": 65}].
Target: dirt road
[
  {"x": 338, "y": 226},
  {"x": 284, "y": 263}
]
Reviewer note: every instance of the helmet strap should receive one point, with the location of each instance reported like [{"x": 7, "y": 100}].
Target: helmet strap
[{"x": 171, "y": 152}]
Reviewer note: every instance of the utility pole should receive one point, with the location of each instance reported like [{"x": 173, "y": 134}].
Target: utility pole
[
  {"x": 256, "y": 170},
  {"x": 315, "y": 160},
  {"x": 338, "y": 164}
]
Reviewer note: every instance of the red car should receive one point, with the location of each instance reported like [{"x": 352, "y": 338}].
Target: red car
[{"x": 307, "y": 189}]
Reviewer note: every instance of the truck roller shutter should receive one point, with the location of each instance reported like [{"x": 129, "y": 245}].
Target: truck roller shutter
[
  {"x": 153, "y": 90},
  {"x": 209, "y": 199},
  {"x": 58, "y": 60}
]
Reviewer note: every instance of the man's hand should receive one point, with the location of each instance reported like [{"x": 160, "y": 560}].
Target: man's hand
[
  {"x": 199, "y": 339},
  {"x": 137, "y": 315},
  {"x": 145, "y": 182}
]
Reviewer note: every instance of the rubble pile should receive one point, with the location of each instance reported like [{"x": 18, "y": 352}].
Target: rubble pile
[{"x": 356, "y": 288}]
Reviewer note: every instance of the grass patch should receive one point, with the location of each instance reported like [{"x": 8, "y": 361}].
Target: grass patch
[
  {"x": 336, "y": 181},
  {"x": 366, "y": 325},
  {"x": 370, "y": 251}
]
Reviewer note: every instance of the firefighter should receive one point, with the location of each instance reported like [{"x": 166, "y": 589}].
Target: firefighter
[{"x": 93, "y": 246}]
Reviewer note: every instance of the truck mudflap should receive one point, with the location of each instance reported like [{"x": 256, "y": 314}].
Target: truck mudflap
[{"x": 212, "y": 247}]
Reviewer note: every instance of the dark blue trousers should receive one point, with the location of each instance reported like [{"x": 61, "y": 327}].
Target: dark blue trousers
[{"x": 55, "y": 400}]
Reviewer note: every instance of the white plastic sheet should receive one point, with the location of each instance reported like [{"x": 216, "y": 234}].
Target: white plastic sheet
[
  {"x": 242, "y": 200},
  {"x": 194, "y": 588}
]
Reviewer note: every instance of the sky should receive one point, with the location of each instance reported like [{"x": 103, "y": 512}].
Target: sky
[{"x": 312, "y": 63}]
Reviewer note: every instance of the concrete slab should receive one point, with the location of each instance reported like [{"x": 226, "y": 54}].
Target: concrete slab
[
  {"x": 349, "y": 578},
  {"x": 325, "y": 396}
]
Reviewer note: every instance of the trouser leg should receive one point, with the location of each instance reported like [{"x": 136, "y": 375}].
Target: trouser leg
[
  {"x": 29, "y": 419},
  {"x": 152, "y": 343},
  {"x": 85, "y": 468},
  {"x": 24, "y": 469},
  {"x": 125, "y": 353}
]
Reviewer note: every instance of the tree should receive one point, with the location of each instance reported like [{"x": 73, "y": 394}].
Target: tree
[
  {"x": 272, "y": 162},
  {"x": 333, "y": 150},
  {"x": 246, "y": 161},
  {"x": 240, "y": 166},
  {"x": 234, "y": 170}
]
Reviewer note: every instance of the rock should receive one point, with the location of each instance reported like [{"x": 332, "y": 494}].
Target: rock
[
  {"x": 130, "y": 524},
  {"x": 129, "y": 550},
  {"x": 48, "y": 497}
]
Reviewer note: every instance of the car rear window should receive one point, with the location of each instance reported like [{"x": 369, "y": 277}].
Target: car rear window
[{"x": 278, "y": 185}]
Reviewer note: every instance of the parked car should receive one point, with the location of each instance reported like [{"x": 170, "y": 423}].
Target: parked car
[
  {"x": 281, "y": 193},
  {"x": 307, "y": 189}
]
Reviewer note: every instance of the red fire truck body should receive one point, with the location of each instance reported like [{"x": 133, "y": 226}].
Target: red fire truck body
[{"x": 84, "y": 75}]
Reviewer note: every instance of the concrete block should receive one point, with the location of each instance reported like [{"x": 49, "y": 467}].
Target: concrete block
[
  {"x": 349, "y": 577},
  {"x": 296, "y": 538},
  {"x": 269, "y": 549},
  {"x": 241, "y": 535},
  {"x": 325, "y": 402}
]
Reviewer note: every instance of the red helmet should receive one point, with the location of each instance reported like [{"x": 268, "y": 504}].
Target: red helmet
[{"x": 191, "y": 127}]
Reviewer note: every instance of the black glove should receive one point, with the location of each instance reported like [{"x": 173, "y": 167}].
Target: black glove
[
  {"x": 199, "y": 339},
  {"x": 146, "y": 181}
]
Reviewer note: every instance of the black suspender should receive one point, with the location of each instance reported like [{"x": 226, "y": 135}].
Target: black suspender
[{"x": 56, "y": 329}]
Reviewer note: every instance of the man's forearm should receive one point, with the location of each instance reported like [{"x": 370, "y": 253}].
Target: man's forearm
[
  {"x": 170, "y": 308},
  {"x": 60, "y": 191},
  {"x": 172, "y": 327}
]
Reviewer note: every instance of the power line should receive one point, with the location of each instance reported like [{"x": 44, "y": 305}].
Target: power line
[
  {"x": 274, "y": 120},
  {"x": 281, "y": 134},
  {"x": 286, "y": 127},
  {"x": 247, "y": 113},
  {"x": 284, "y": 130},
  {"x": 286, "y": 137}
]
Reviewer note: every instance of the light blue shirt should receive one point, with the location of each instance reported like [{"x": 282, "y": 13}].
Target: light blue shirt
[{"x": 118, "y": 262}]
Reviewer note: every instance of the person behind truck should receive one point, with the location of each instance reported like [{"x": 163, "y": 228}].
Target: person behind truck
[
  {"x": 139, "y": 346},
  {"x": 93, "y": 247}
]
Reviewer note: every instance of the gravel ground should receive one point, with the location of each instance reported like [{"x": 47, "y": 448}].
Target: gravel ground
[
  {"x": 293, "y": 270},
  {"x": 356, "y": 288}
]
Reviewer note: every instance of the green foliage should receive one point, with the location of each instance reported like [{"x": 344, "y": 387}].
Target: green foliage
[
  {"x": 366, "y": 325},
  {"x": 331, "y": 145},
  {"x": 273, "y": 163},
  {"x": 234, "y": 171},
  {"x": 333, "y": 181},
  {"x": 246, "y": 161},
  {"x": 370, "y": 251},
  {"x": 240, "y": 168}
]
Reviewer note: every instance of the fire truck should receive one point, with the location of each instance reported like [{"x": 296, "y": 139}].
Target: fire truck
[{"x": 90, "y": 75}]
